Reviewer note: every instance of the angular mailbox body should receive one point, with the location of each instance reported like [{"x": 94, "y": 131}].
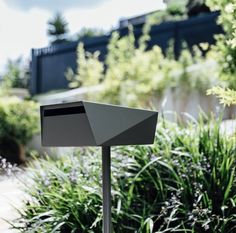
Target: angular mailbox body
[{"x": 92, "y": 124}]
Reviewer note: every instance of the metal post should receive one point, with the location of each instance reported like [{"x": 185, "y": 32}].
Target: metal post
[{"x": 106, "y": 188}]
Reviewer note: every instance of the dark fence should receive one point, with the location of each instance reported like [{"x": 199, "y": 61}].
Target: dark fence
[{"x": 49, "y": 64}]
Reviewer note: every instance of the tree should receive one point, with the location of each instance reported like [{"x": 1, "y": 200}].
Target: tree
[{"x": 57, "y": 28}]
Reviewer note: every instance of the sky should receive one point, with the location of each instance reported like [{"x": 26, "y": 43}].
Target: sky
[{"x": 23, "y": 23}]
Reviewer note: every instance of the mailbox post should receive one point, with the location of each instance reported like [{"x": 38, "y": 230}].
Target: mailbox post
[
  {"x": 106, "y": 188},
  {"x": 92, "y": 124}
]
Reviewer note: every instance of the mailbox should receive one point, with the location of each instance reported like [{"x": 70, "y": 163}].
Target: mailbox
[{"x": 93, "y": 124}]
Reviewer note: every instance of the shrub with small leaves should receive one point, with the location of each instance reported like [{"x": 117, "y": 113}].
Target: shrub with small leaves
[
  {"x": 226, "y": 43},
  {"x": 226, "y": 96},
  {"x": 19, "y": 120},
  {"x": 133, "y": 76}
]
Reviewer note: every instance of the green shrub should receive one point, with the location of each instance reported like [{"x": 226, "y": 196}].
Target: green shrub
[
  {"x": 133, "y": 76},
  {"x": 226, "y": 96},
  {"x": 175, "y": 10},
  {"x": 226, "y": 43},
  {"x": 185, "y": 182},
  {"x": 16, "y": 74},
  {"x": 18, "y": 119}
]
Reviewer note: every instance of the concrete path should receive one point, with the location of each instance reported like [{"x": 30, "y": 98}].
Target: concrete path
[{"x": 10, "y": 195}]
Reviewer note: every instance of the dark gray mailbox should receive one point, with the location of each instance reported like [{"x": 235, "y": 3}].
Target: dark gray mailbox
[{"x": 92, "y": 124}]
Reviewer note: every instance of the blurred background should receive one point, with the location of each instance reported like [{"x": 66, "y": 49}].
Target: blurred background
[{"x": 174, "y": 56}]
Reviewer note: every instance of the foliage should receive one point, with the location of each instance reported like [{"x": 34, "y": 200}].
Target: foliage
[
  {"x": 150, "y": 72},
  {"x": 90, "y": 70},
  {"x": 226, "y": 96},
  {"x": 226, "y": 43},
  {"x": 57, "y": 28},
  {"x": 185, "y": 182},
  {"x": 71, "y": 195},
  {"x": 7, "y": 168},
  {"x": 16, "y": 74},
  {"x": 85, "y": 33},
  {"x": 175, "y": 10},
  {"x": 128, "y": 67},
  {"x": 18, "y": 119}
]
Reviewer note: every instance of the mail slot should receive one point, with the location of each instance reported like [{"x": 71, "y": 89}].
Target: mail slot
[{"x": 66, "y": 125}]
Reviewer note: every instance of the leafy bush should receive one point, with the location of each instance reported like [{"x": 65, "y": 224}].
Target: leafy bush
[
  {"x": 226, "y": 43},
  {"x": 16, "y": 74},
  {"x": 226, "y": 50},
  {"x": 185, "y": 182},
  {"x": 18, "y": 119},
  {"x": 227, "y": 96},
  {"x": 85, "y": 33},
  {"x": 175, "y": 10},
  {"x": 131, "y": 75}
]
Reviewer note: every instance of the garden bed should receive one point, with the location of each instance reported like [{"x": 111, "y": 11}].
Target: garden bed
[{"x": 184, "y": 182}]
